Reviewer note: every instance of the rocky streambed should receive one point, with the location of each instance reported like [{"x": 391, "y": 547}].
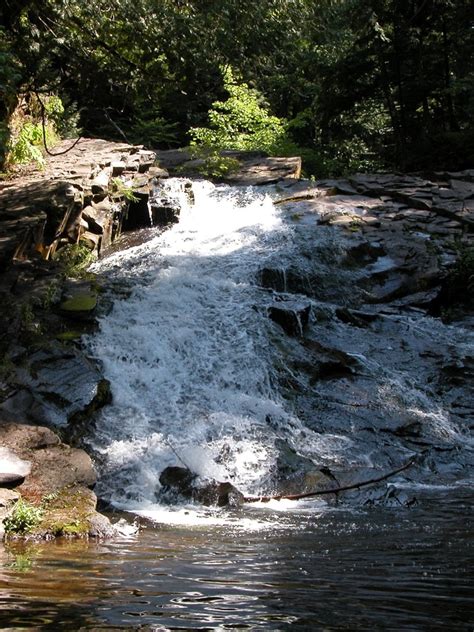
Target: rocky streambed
[{"x": 400, "y": 262}]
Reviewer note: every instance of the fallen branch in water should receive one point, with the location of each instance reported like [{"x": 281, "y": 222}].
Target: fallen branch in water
[{"x": 334, "y": 490}]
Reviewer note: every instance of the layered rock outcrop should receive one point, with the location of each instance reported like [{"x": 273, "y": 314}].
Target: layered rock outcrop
[{"x": 52, "y": 478}]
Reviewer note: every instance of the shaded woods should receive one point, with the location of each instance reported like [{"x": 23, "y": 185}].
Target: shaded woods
[{"x": 358, "y": 84}]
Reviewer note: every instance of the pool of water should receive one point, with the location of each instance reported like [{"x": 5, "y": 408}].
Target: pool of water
[{"x": 308, "y": 567}]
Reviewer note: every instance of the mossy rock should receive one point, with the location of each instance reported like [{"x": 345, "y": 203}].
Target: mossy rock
[
  {"x": 80, "y": 303},
  {"x": 68, "y": 336},
  {"x": 68, "y": 512}
]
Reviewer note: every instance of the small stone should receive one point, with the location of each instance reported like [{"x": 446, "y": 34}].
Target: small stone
[
  {"x": 90, "y": 241},
  {"x": 100, "y": 184},
  {"x": 207, "y": 492},
  {"x": 12, "y": 468},
  {"x": 158, "y": 172},
  {"x": 118, "y": 167},
  {"x": 8, "y": 497},
  {"x": 10, "y": 479}
]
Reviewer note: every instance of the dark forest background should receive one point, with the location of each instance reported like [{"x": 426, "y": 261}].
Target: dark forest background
[{"x": 356, "y": 84}]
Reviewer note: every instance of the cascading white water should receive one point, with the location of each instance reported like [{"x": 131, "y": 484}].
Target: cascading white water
[
  {"x": 193, "y": 358},
  {"x": 189, "y": 354}
]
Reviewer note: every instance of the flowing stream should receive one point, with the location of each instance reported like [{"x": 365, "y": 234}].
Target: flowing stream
[{"x": 202, "y": 377}]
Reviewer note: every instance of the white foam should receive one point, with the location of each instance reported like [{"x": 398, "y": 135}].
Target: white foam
[{"x": 187, "y": 355}]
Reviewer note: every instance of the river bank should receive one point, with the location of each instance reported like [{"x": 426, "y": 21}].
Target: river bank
[{"x": 402, "y": 235}]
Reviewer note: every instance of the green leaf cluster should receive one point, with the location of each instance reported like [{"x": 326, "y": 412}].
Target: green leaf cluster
[
  {"x": 23, "y": 519},
  {"x": 241, "y": 122},
  {"x": 26, "y": 147},
  {"x": 75, "y": 259}
]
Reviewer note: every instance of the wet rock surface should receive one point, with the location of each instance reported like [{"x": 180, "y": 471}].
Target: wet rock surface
[
  {"x": 373, "y": 369},
  {"x": 56, "y": 384}
]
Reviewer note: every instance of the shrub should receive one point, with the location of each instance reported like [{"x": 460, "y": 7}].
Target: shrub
[
  {"x": 242, "y": 122},
  {"x": 154, "y": 131},
  {"x": 26, "y": 148},
  {"x": 75, "y": 259},
  {"x": 26, "y": 129},
  {"x": 24, "y": 518}
]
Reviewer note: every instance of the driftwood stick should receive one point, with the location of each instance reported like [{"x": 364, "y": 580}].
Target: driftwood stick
[{"x": 333, "y": 490}]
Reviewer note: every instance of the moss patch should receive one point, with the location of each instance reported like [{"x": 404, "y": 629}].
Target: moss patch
[
  {"x": 67, "y": 512},
  {"x": 67, "y": 336},
  {"x": 81, "y": 303}
]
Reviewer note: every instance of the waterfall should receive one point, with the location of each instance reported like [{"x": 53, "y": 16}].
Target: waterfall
[
  {"x": 196, "y": 364},
  {"x": 190, "y": 353}
]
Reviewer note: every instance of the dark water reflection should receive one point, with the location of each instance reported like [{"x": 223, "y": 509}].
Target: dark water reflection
[{"x": 365, "y": 570}]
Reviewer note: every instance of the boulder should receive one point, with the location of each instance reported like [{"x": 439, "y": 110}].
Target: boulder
[
  {"x": 53, "y": 465},
  {"x": 296, "y": 474},
  {"x": 158, "y": 172},
  {"x": 98, "y": 216},
  {"x": 265, "y": 170},
  {"x": 204, "y": 491},
  {"x": 118, "y": 167},
  {"x": 12, "y": 469},
  {"x": 327, "y": 363},
  {"x": 57, "y": 480},
  {"x": 91, "y": 241},
  {"x": 78, "y": 301},
  {"x": 100, "y": 184}
]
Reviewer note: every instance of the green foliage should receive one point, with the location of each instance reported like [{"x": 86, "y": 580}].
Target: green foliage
[
  {"x": 26, "y": 142},
  {"x": 357, "y": 85},
  {"x": 119, "y": 189},
  {"x": 75, "y": 259},
  {"x": 24, "y": 518},
  {"x": 54, "y": 108},
  {"x": 154, "y": 131},
  {"x": 26, "y": 147},
  {"x": 50, "y": 295},
  {"x": 27, "y": 314},
  {"x": 463, "y": 272},
  {"x": 457, "y": 289},
  {"x": 9, "y": 81},
  {"x": 217, "y": 166},
  {"x": 242, "y": 122}
]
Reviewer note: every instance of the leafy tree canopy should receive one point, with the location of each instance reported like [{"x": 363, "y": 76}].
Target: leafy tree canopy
[{"x": 356, "y": 83}]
